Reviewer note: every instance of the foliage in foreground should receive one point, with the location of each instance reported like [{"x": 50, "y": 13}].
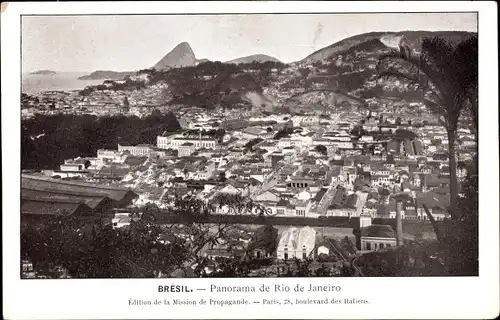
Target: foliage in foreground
[{"x": 61, "y": 137}]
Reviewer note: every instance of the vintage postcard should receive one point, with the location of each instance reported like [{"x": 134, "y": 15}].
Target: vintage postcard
[{"x": 250, "y": 160}]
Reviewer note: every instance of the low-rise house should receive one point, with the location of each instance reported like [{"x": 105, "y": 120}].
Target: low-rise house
[
  {"x": 381, "y": 180},
  {"x": 281, "y": 207},
  {"x": 134, "y": 161},
  {"x": 302, "y": 208},
  {"x": 268, "y": 196},
  {"x": 324, "y": 250},
  {"x": 226, "y": 249},
  {"x": 138, "y": 150},
  {"x": 151, "y": 194},
  {"x": 299, "y": 182},
  {"x": 75, "y": 165},
  {"x": 112, "y": 171},
  {"x": 436, "y": 203},
  {"x": 186, "y": 149},
  {"x": 374, "y": 236}
]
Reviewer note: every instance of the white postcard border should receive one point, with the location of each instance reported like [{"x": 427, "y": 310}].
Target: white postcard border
[{"x": 425, "y": 297}]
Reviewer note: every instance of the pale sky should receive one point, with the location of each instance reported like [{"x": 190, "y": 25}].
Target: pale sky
[{"x": 127, "y": 43}]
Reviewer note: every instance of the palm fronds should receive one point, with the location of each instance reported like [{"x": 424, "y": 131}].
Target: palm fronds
[
  {"x": 447, "y": 73},
  {"x": 448, "y": 77}
]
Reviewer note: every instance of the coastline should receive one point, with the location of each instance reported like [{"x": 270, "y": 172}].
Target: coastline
[{"x": 62, "y": 81}]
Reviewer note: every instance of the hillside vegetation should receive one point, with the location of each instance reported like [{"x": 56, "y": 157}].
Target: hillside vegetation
[
  {"x": 342, "y": 75},
  {"x": 412, "y": 38},
  {"x": 106, "y": 75}
]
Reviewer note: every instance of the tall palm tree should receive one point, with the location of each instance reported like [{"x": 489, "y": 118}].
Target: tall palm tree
[
  {"x": 467, "y": 52},
  {"x": 448, "y": 80}
]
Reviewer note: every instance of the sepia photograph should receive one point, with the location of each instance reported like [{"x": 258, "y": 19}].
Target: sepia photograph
[
  {"x": 249, "y": 145},
  {"x": 250, "y": 160}
]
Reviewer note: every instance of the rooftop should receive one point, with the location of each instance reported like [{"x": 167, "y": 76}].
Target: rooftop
[
  {"x": 378, "y": 231},
  {"x": 54, "y": 207},
  {"x": 64, "y": 187}
]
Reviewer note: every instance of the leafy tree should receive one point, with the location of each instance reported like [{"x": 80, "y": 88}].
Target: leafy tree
[
  {"x": 69, "y": 136},
  {"x": 403, "y": 134},
  {"x": 283, "y": 133},
  {"x": 264, "y": 238},
  {"x": 126, "y": 103},
  {"x": 321, "y": 149},
  {"x": 304, "y": 72},
  {"x": 219, "y": 134},
  {"x": 95, "y": 250},
  {"x": 222, "y": 176},
  {"x": 358, "y": 131},
  {"x": 444, "y": 74},
  {"x": 458, "y": 238}
]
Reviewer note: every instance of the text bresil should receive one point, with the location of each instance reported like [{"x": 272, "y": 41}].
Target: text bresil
[{"x": 174, "y": 288}]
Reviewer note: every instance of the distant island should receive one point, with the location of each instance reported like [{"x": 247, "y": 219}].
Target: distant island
[
  {"x": 44, "y": 72},
  {"x": 106, "y": 75}
]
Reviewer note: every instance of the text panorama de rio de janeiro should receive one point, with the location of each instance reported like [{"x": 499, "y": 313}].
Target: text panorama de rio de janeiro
[{"x": 251, "y": 288}]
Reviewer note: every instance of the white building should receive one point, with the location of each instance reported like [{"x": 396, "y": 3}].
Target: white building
[
  {"x": 121, "y": 220},
  {"x": 107, "y": 154},
  {"x": 140, "y": 150},
  {"x": 296, "y": 243},
  {"x": 366, "y": 138},
  {"x": 186, "y": 149},
  {"x": 163, "y": 142},
  {"x": 375, "y": 236},
  {"x": 207, "y": 143},
  {"x": 71, "y": 166}
]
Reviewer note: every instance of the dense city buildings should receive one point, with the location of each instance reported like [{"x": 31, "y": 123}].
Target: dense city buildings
[{"x": 313, "y": 171}]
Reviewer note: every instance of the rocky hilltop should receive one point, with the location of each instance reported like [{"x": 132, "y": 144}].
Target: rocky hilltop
[
  {"x": 392, "y": 39},
  {"x": 180, "y": 56},
  {"x": 254, "y": 58},
  {"x": 183, "y": 56}
]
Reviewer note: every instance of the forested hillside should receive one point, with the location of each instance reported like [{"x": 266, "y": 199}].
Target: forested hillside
[{"x": 46, "y": 141}]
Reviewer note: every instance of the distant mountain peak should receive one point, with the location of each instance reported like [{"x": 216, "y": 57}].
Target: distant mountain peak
[
  {"x": 184, "y": 44},
  {"x": 180, "y": 56}
]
